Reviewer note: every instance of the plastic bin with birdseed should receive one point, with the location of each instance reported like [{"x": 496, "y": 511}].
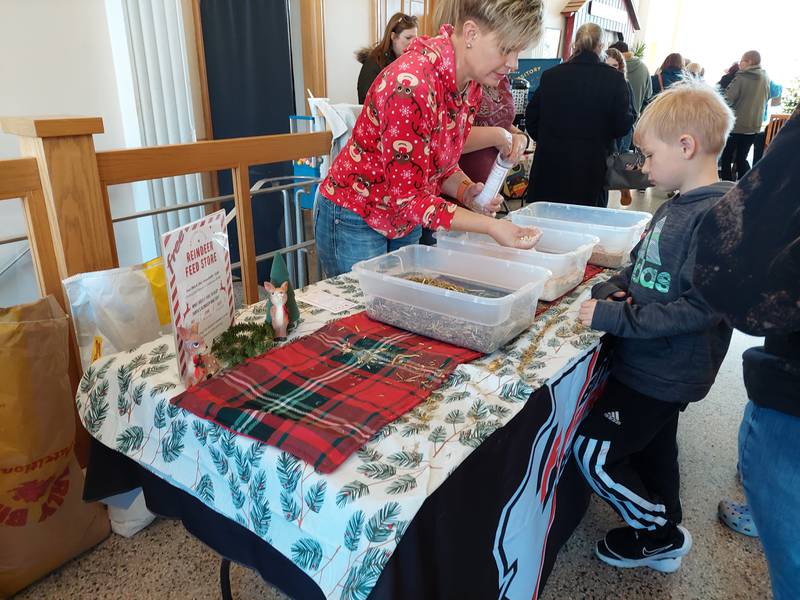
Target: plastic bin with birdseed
[
  {"x": 618, "y": 230},
  {"x": 477, "y": 302}
]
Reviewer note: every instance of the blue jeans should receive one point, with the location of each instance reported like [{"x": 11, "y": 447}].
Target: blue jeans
[
  {"x": 344, "y": 238},
  {"x": 769, "y": 459}
]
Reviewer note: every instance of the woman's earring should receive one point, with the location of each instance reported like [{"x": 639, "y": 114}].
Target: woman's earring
[{"x": 469, "y": 45}]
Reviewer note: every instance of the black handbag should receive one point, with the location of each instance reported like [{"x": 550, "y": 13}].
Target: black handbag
[{"x": 624, "y": 172}]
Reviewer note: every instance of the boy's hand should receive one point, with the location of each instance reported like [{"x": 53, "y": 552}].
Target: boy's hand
[
  {"x": 619, "y": 296},
  {"x": 586, "y": 312}
]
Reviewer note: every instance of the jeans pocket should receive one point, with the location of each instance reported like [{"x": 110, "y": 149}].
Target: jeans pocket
[{"x": 348, "y": 219}]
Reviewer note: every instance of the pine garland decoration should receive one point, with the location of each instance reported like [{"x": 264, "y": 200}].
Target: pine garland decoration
[{"x": 243, "y": 341}]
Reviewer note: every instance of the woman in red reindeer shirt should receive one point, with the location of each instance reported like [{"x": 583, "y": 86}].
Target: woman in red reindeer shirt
[{"x": 406, "y": 143}]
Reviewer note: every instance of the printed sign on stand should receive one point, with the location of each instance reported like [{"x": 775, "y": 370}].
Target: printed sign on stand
[
  {"x": 531, "y": 69},
  {"x": 198, "y": 269}
]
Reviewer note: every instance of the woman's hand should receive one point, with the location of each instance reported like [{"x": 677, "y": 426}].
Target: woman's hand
[
  {"x": 518, "y": 145},
  {"x": 504, "y": 141},
  {"x": 469, "y": 200},
  {"x": 508, "y": 234}
]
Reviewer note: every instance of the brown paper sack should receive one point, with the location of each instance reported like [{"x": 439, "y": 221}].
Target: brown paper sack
[{"x": 43, "y": 520}]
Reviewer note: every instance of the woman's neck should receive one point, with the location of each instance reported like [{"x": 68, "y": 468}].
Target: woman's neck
[{"x": 462, "y": 75}]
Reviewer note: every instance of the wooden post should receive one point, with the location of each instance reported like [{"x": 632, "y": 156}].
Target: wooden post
[
  {"x": 312, "y": 27},
  {"x": 247, "y": 241},
  {"x": 210, "y": 180},
  {"x": 78, "y": 214},
  {"x": 80, "y": 219}
]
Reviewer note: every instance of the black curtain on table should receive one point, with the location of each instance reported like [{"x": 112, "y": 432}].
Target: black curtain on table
[{"x": 251, "y": 91}]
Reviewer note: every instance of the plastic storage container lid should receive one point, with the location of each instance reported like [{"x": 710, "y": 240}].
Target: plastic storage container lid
[
  {"x": 591, "y": 215},
  {"x": 564, "y": 253},
  {"x": 555, "y": 247}
]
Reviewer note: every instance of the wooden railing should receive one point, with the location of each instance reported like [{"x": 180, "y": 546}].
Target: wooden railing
[
  {"x": 20, "y": 178},
  {"x": 75, "y": 182},
  {"x": 64, "y": 186},
  {"x": 126, "y": 166}
]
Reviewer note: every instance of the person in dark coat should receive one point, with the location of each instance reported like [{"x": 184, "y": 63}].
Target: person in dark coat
[
  {"x": 671, "y": 71},
  {"x": 576, "y": 113},
  {"x": 748, "y": 269},
  {"x": 400, "y": 31},
  {"x": 727, "y": 78}
]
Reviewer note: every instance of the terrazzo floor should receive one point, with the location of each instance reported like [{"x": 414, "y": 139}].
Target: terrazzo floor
[{"x": 722, "y": 565}]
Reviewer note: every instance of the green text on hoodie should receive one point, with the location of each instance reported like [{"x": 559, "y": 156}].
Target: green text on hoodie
[{"x": 669, "y": 344}]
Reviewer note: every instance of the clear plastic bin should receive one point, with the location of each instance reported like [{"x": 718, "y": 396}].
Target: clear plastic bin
[
  {"x": 461, "y": 318},
  {"x": 564, "y": 253},
  {"x": 618, "y": 230}
]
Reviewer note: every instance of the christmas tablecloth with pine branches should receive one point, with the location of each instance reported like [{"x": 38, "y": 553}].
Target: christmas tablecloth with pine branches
[{"x": 340, "y": 528}]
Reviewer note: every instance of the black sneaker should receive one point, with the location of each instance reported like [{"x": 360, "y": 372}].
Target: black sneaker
[{"x": 627, "y": 547}]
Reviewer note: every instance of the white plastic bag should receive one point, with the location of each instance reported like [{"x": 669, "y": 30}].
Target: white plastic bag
[
  {"x": 118, "y": 309},
  {"x": 128, "y": 513}
]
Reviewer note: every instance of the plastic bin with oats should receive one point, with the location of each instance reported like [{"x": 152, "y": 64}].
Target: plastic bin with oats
[
  {"x": 619, "y": 230},
  {"x": 461, "y": 318},
  {"x": 565, "y": 253}
]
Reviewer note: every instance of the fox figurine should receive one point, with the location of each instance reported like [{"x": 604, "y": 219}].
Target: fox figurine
[
  {"x": 204, "y": 365},
  {"x": 278, "y": 311}
]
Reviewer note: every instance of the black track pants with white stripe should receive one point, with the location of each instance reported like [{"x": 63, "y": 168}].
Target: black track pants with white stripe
[{"x": 628, "y": 453}]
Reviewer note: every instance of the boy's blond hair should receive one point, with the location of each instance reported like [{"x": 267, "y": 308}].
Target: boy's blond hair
[{"x": 687, "y": 107}]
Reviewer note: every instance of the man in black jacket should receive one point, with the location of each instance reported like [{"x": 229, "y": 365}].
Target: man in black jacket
[
  {"x": 576, "y": 113},
  {"x": 748, "y": 268}
]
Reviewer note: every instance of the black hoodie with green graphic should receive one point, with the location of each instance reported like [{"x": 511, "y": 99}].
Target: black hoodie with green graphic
[
  {"x": 748, "y": 268},
  {"x": 669, "y": 342}
]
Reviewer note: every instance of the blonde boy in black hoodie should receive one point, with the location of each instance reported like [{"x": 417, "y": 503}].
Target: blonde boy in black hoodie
[{"x": 668, "y": 342}]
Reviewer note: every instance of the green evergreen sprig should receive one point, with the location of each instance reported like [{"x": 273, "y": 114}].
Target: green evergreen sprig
[{"x": 243, "y": 341}]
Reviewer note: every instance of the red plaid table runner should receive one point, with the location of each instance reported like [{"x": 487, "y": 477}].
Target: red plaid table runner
[{"x": 324, "y": 396}]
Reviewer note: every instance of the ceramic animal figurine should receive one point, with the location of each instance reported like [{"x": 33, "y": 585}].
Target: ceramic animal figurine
[
  {"x": 204, "y": 365},
  {"x": 278, "y": 312}
]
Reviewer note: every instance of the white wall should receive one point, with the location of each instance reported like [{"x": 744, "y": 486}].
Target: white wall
[
  {"x": 57, "y": 60},
  {"x": 552, "y": 19},
  {"x": 347, "y": 28}
]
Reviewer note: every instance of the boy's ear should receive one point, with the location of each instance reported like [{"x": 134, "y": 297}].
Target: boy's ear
[{"x": 688, "y": 146}]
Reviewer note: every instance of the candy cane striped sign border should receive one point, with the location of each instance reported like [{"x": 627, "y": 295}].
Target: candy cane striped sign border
[{"x": 171, "y": 243}]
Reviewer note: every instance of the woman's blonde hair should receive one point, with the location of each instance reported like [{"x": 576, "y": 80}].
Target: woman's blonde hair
[
  {"x": 687, "y": 107},
  {"x": 517, "y": 23},
  {"x": 588, "y": 38}
]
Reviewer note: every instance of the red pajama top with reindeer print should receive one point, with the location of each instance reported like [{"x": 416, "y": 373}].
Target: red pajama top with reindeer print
[{"x": 406, "y": 142}]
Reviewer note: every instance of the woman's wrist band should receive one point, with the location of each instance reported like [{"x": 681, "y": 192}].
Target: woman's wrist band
[{"x": 462, "y": 189}]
